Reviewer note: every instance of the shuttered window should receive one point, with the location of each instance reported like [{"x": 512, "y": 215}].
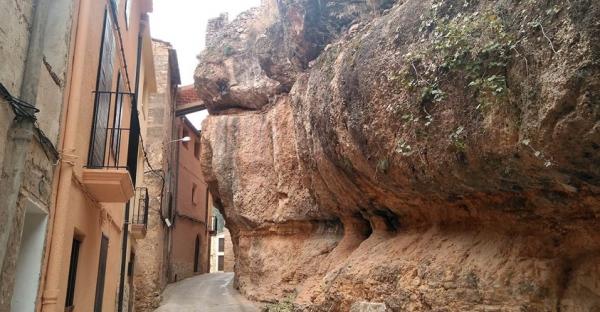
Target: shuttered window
[{"x": 221, "y": 244}]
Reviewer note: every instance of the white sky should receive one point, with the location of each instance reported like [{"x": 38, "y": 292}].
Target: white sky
[{"x": 183, "y": 24}]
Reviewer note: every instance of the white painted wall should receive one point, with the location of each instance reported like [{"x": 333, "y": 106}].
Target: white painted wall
[
  {"x": 29, "y": 262},
  {"x": 215, "y": 253}
]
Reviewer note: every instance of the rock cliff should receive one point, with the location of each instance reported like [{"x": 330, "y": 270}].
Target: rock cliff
[{"x": 428, "y": 155}]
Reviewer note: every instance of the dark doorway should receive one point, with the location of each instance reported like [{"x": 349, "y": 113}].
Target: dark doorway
[
  {"x": 130, "y": 275},
  {"x": 101, "y": 274},
  {"x": 221, "y": 263},
  {"x": 197, "y": 255}
]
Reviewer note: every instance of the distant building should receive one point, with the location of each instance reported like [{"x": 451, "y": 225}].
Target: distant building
[
  {"x": 221, "y": 253},
  {"x": 219, "y": 257},
  {"x": 191, "y": 219}
]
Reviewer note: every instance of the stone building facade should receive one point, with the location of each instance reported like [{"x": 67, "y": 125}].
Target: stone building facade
[
  {"x": 152, "y": 256},
  {"x": 221, "y": 248},
  {"x": 35, "y": 39}
]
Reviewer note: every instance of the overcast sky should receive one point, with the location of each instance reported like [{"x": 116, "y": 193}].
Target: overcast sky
[{"x": 183, "y": 24}]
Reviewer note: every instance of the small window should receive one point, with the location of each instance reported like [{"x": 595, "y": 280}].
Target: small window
[
  {"x": 213, "y": 224},
  {"x": 221, "y": 244},
  {"x": 186, "y": 133},
  {"x": 131, "y": 265},
  {"x": 197, "y": 149},
  {"x": 197, "y": 254},
  {"x": 194, "y": 188},
  {"x": 72, "y": 275}
]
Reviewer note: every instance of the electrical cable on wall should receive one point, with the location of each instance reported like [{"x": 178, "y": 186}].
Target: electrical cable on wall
[
  {"x": 26, "y": 111},
  {"x": 21, "y": 108}
]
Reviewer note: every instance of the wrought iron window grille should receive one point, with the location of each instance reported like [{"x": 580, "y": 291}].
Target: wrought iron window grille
[
  {"x": 140, "y": 211},
  {"x": 109, "y": 140}
]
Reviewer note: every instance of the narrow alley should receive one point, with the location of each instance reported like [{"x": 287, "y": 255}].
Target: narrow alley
[
  {"x": 205, "y": 293},
  {"x": 299, "y": 155}
]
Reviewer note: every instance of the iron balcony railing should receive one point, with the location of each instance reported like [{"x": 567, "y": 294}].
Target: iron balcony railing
[
  {"x": 109, "y": 148},
  {"x": 140, "y": 211},
  {"x": 109, "y": 139},
  {"x": 115, "y": 136}
]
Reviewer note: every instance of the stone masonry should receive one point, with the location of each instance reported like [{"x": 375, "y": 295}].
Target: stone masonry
[
  {"x": 151, "y": 259},
  {"x": 34, "y": 53}
]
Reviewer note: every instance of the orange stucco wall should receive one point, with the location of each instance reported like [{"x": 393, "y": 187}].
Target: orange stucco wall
[
  {"x": 76, "y": 212},
  {"x": 189, "y": 175},
  {"x": 184, "y": 238},
  {"x": 192, "y": 214}
]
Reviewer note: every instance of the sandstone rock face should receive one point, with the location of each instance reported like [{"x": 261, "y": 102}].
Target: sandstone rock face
[{"x": 426, "y": 155}]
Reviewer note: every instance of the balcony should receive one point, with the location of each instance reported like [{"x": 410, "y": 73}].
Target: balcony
[
  {"x": 139, "y": 222},
  {"x": 112, "y": 158}
]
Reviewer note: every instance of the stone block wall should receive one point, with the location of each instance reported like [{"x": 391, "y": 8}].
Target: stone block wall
[
  {"x": 184, "y": 240},
  {"x": 15, "y": 21},
  {"x": 229, "y": 260},
  {"x": 151, "y": 252},
  {"x": 34, "y": 52}
]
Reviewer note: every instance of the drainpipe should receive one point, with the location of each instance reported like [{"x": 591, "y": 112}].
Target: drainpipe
[
  {"x": 127, "y": 206},
  {"x": 123, "y": 258},
  {"x": 57, "y": 246}
]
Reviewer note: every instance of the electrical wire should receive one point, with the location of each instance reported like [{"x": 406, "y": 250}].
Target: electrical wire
[
  {"x": 27, "y": 111},
  {"x": 21, "y": 108}
]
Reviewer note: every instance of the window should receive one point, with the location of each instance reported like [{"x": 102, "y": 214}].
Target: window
[
  {"x": 197, "y": 149},
  {"x": 197, "y": 254},
  {"x": 194, "y": 189},
  {"x": 101, "y": 274},
  {"x": 186, "y": 133},
  {"x": 131, "y": 265},
  {"x": 117, "y": 117},
  {"x": 221, "y": 244},
  {"x": 127, "y": 12},
  {"x": 213, "y": 224},
  {"x": 117, "y": 5},
  {"x": 103, "y": 95},
  {"x": 72, "y": 275}
]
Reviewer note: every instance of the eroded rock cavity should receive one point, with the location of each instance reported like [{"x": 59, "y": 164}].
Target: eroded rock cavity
[{"x": 428, "y": 155}]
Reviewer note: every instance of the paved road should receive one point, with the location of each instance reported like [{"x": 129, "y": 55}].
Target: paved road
[{"x": 205, "y": 293}]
